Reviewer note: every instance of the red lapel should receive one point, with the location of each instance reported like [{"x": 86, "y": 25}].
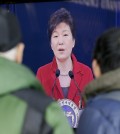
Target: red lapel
[
  {"x": 60, "y": 96},
  {"x": 57, "y": 89},
  {"x": 73, "y": 88},
  {"x": 78, "y": 74}
]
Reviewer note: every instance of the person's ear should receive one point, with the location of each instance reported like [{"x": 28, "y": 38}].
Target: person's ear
[
  {"x": 19, "y": 55},
  {"x": 96, "y": 68},
  {"x": 51, "y": 46},
  {"x": 73, "y": 42}
]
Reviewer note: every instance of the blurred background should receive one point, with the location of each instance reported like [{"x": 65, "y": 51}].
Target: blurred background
[{"x": 91, "y": 18}]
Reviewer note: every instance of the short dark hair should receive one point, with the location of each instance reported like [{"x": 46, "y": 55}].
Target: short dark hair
[
  {"x": 61, "y": 15},
  {"x": 107, "y": 50},
  {"x": 10, "y": 33}
]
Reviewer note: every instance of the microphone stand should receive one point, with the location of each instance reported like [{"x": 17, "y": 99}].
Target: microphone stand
[
  {"x": 71, "y": 75},
  {"x": 57, "y": 74}
]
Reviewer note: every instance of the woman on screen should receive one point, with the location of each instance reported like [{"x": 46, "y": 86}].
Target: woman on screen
[{"x": 64, "y": 78}]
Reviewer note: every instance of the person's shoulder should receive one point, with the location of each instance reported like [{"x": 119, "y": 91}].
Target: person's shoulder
[
  {"x": 45, "y": 67},
  {"x": 55, "y": 117},
  {"x": 84, "y": 66}
]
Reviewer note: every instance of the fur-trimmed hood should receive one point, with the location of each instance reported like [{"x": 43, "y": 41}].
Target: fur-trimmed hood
[{"x": 109, "y": 81}]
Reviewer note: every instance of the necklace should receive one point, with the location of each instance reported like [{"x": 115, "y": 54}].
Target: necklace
[{"x": 63, "y": 74}]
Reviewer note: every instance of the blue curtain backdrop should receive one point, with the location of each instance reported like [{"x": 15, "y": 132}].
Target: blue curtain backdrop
[{"x": 90, "y": 22}]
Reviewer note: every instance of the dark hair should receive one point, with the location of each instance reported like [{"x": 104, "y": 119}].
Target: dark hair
[
  {"x": 107, "y": 50},
  {"x": 10, "y": 33},
  {"x": 61, "y": 15}
]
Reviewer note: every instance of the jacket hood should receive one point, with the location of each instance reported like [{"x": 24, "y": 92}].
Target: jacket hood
[
  {"x": 15, "y": 76},
  {"x": 109, "y": 81}
]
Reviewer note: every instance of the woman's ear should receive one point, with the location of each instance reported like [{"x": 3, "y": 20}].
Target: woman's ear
[
  {"x": 19, "y": 55},
  {"x": 96, "y": 68},
  {"x": 73, "y": 42},
  {"x": 51, "y": 46}
]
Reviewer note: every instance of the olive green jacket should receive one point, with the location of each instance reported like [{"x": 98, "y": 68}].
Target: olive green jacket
[
  {"x": 106, "y": 83},
  {"x": 12, "y": 109}
]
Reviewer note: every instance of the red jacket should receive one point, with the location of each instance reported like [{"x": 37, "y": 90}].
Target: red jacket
[{"x": 82, "y": 75}]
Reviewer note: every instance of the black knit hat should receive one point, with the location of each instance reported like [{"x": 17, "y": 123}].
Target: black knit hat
[{"x": 10, "y": 34}]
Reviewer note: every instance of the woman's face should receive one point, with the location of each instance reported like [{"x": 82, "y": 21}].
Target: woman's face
[{"x": 62, "y": 41}]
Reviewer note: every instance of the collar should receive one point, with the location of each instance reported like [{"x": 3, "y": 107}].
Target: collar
[
  {"x": 106, "y": 83},
  {"x": 76, "y": 66},
  {"x": 15, "y": 76}
]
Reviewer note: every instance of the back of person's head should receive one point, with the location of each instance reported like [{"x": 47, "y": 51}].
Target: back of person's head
[
  {"x": 10, "y": 34},
  {"x": 107, "y": 50},
  {"x": 61, "y": 15}
]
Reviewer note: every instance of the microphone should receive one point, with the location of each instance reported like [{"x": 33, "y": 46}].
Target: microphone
[
  {"x": 57, "y": 73},
  {"x": 71, "y": 75}
]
